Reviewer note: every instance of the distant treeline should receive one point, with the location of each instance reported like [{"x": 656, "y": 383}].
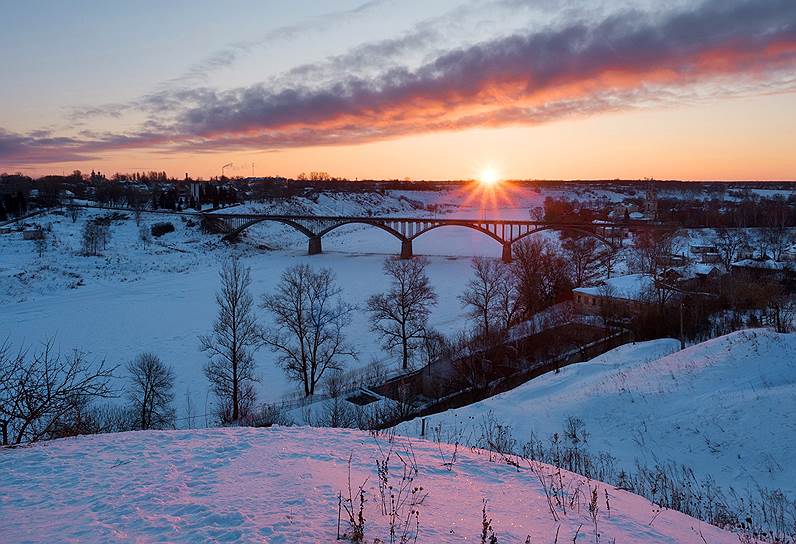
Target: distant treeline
[{"x": 686, "y": 204}]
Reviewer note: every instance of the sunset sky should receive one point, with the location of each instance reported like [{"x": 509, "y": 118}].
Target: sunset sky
[{"x": 441, "y": 89}]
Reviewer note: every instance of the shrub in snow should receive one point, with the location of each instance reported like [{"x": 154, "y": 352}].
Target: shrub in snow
[
  {"x": 354, "y": 511},
  {"x": 144, "y": 235},
  {"x": 96, "y": 234},
  {"x": 487, "y": 533},
  {"x": 159, "y": 229},
  {"x": 269, "y": 415},
  {"x": 45, "y": 394}
]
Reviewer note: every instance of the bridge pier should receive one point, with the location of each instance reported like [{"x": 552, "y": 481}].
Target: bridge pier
[
  {"x": 315, "y": 246},
  {"x": 406, "y": 249},
  {"x": 506, "y": 257}
]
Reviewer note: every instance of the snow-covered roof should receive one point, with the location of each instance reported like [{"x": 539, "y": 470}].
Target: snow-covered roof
[
  {"x": 703, "y": 269},
  {"x": 764, "y": 265},
  {"x": 629, "y": 287}
]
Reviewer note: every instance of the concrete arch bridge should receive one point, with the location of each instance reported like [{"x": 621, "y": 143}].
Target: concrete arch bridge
[{"x": 405, "y": 229}]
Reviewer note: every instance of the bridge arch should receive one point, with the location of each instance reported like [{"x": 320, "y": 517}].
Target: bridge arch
[
  {"x": 376, "y": 224},
  {"x": 315, "y": 245},
  {"x": 295, "y": 225},
  {"x": 465, "y": 224}
]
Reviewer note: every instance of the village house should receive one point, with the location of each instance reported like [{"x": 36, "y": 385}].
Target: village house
[
  {"x": 33, "y": 233},
  {"x": 623, "y": 294}
]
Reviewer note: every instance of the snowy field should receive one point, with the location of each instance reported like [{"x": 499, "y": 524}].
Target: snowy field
[
  {"x": 725, "y": 408},
  {"x": 281, "y": 485}
]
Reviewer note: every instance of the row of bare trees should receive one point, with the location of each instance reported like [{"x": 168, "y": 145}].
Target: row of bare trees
[
  {"x": 46, "y": 394},
  {"x": 309, "y": 318},
  {"x": 308, "y": 334},
  {"x": 769, "y": 242}
]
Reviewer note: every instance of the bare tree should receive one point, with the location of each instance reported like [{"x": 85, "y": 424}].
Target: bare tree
[
  {"x": 508, "y": 298},
  {"x": 103, "y": 233},
  {"x": 151, "y": 392},
  {"x": 96, "y": 235},
  {"x": 729, "y": 242},
  {"x": 43, "y": 394},
  {"x": 90, "y": 239},
  {"x": 72, "y": 211},
  {"x": 584, "y": 258},
  {"x": 480, "y": 296},
  {"x": 145, "y": 235},
  {"x": 400, "y": 315},
  {"x": 653, "y": 249},
  {"x": 782, "y": 307},
  {"x": 41, "y": 243},
  {"x": 609, "y": 307},
  {"x": 230, "y": 347},
  {"x": 310, "y": 318},
  {"x": 542, "y": 274},
  {"x": 434, "y": 346},
  {"x": 777, "y": 238},
  {"x": 471, "y": 361},
  {"x": 607, "y": 256},
  {"x": 491, "y": 295}
]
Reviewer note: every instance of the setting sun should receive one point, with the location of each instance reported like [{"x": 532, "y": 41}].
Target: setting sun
[{"x": 489, "y": 177}]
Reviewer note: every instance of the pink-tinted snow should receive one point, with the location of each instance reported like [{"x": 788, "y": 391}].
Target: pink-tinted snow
[{"x": 281, "y": 485}]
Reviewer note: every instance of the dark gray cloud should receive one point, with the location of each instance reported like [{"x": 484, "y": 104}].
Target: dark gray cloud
[
  {"x": 630, "y": 43},
  {"x": 37, "y": 147}
]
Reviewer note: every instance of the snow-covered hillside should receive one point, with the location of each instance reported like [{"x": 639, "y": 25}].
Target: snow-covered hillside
[
  {"x": 281, "y": 485},
  {"x": 726, "y": 408}
]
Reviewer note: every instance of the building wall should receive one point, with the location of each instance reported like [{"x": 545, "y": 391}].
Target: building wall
[{"x": 594, "y": 304}]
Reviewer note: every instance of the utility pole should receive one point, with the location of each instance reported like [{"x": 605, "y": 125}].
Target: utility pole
[
  {"x": 683, "y": 292},
  {"x": 682, "y": 332}
]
